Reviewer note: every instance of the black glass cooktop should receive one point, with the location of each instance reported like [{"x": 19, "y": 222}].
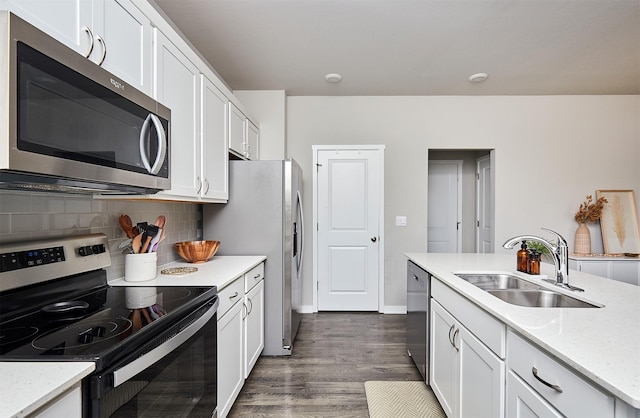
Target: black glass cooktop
[{"x": 94, "y": 323}]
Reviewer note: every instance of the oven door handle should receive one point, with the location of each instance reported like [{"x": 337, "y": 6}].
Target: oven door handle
[{"x": 125, "y": 373}]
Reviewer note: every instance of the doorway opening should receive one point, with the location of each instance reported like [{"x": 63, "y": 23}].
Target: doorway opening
[{"x": 460, "y": 205}]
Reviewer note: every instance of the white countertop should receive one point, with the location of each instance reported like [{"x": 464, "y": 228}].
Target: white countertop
[
  {"x": 220, "y": 271},
  {"x": 601, "y": 343},
  {"x": 25, "y": 387}
]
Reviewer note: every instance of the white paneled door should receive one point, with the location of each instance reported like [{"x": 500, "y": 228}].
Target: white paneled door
[
  {"x": 348, "y": 229},
  {"x": 444, "y": 207},
  {"x": 484, "y": 206}
]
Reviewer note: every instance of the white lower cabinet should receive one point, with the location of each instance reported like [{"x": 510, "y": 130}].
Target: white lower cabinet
[
  {"x": 253, "y": 327},
  {"x": 68, "y": 405},
  {"x": 524, "y": 402},
  {"x": 466, "y": 377},
  {"x": 240, "y": 334},
  {"x": 230, "y": 349},
  {"x": 558, "y": 385},
  {"x": 622, "y": 269}
]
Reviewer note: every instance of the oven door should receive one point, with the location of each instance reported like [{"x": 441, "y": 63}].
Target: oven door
[{"x": 174, "y": 374}]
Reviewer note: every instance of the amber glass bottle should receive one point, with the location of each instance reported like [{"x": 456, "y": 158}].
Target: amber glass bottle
[
  {"x": 534, "y": 263},
  {"x": 523, "y": 258}
]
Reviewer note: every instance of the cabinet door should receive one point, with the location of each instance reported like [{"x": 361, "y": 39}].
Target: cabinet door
[
  {"x": 253, "y": 138},
  {"x": 598, "y": 268},
  {"x": 524, "y": 402},
  {"x": 68, "y": 405},
  {"x": 236, "y": 130},
  {"x": 215, "y": 154},
  {"x": 230, "y": 361},
  {"x": 626, "y": 271},
  {"x": 68, "y": 21},
  {"x": 443, "y": 359},
  {"x": 253, "y": 327},
  {"x": 481, "y": 377},
  {"x": 123, "y": 42},
  {"x": 177, "y": 87}
]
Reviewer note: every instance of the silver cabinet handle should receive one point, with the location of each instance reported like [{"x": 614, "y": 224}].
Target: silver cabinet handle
[
  {"x": 206, "y": 183},
  {"x": 374, "y": 239},
  {"x": 454, "y": 339},
  {"x": 245, "y": 311},
  {"x": 104, "y": 49},
  {"x": 450, "y": 331},
  {"x": 235, "y": 295},
  {"x": 552, "y": 386},
  {"x": 250, "y": 306},
  {"x": 88, "y": 31},
  {"x": 415, "y": 278},
  {"x": 199, "y": 185}
]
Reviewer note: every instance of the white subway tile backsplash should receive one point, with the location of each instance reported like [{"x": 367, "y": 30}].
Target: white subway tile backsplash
[
  {"x": 29, "y": 216},
  {"x": 15, "y": 203}
]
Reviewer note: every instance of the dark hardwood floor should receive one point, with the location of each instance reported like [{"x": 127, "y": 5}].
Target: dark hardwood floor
[{"x": 334, "y": 354}]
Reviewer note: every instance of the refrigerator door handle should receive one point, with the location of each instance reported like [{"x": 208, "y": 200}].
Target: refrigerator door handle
[{"x": 299, "y": 198}]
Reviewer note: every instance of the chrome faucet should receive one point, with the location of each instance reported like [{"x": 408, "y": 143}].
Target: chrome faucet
[{"x": 559, "y": 252}]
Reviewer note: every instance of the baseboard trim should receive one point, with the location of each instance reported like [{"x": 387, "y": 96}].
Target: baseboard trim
[{"x": 395, "y": 310}]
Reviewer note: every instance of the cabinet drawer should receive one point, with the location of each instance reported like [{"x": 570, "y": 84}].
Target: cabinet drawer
[
  {"x": 230, "y": 295},
  {"x": 578, "y": 398},
  {"x": 253, "y": 277},
  {"x": 485, "y": 327}
]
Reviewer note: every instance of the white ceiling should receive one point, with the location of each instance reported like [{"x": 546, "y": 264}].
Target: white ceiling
[{"x": 417, "y": 47}]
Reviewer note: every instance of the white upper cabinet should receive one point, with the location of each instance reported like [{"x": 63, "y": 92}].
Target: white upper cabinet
[
  {"x": 243, "y": 135},
  {"x": 178, "y": 88},
  {"x": 215, "y": 157},
  {"x": 112, "y": 33},
  {"x": 237, "y": 135},
  {"x": 253, "y": 138}
]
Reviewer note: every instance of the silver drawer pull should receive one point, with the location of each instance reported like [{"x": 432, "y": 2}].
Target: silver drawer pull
[
  {"x": 554, "y": 387},
  {"x": 235, "y": 295},
  {"x": 457, "y": 331},
  {"x": 257, "y": 276}
]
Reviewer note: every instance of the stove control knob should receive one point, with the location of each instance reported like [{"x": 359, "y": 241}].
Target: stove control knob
[
  {"x": 85, "y": 251},
  {"x": 85, "y": 337},
  {"x": 98, "y": 249}
]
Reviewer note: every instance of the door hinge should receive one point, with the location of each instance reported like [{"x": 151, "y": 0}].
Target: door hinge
[
  {"x": 478, "y": 224},
  {"x": 478, "y": 176}
]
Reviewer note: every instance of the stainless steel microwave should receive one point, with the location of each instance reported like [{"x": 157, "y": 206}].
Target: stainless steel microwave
[{"x": 69, "y": 125}]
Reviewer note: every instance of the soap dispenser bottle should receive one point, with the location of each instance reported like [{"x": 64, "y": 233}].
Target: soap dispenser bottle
[{"x": 523, "y": 258}]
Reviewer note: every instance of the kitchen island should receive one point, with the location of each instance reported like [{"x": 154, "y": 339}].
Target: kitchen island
[{"x": 601, "y": 344}]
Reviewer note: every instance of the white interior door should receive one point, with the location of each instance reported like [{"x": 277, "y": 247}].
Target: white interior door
[
  {"x": 348, "y": 188},
  {"x": 444, "y": 207},
  {"x": 484, "y": 227}
]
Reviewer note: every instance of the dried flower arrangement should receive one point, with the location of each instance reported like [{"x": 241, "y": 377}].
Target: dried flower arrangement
[{"x": 589, "y": 211}]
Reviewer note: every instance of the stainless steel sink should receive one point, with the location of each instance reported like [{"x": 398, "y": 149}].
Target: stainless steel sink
[
  {"x": 539, "y": 299},
  {"x": 517, "y": 291},
  {"x": 495, "y": 281}
]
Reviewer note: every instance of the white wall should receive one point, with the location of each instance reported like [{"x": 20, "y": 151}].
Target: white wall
[{"x": 550, "y": 151}]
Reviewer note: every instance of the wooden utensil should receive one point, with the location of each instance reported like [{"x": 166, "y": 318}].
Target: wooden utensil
[
  {"x": 160, "y": 221},
  {"x": 126, "y": 225},
  {"x": 136, "y": 242}
]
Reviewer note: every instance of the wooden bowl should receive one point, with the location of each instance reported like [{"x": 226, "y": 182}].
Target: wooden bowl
[{"x": 197, "y": 251}]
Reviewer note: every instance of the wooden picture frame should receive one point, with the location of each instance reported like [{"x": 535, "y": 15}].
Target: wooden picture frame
[{"x": 619, "y": 222}]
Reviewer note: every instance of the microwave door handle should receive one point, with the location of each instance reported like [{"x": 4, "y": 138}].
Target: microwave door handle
[{"x": 162, "y": 144}]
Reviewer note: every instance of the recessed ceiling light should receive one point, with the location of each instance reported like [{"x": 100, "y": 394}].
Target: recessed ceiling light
[
  {"x": 333, "y": 78},
  {"x": 478, "y": 77}
]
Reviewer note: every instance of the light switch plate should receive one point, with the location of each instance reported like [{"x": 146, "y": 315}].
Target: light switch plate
[{"x": 401, "y": 221}]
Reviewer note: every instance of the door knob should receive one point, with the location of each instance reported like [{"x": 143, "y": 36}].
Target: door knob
[{"x": 374, "y": 239}]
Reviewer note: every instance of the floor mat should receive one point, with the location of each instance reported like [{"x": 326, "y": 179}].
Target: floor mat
[{"x": 411, "y": 399}]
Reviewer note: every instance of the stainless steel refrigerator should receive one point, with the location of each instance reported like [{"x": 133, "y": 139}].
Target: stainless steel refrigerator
[{"x": 264, "y": 217}]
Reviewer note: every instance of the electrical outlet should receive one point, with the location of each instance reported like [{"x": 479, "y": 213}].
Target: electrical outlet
[{"x": 401, "y": 221}]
